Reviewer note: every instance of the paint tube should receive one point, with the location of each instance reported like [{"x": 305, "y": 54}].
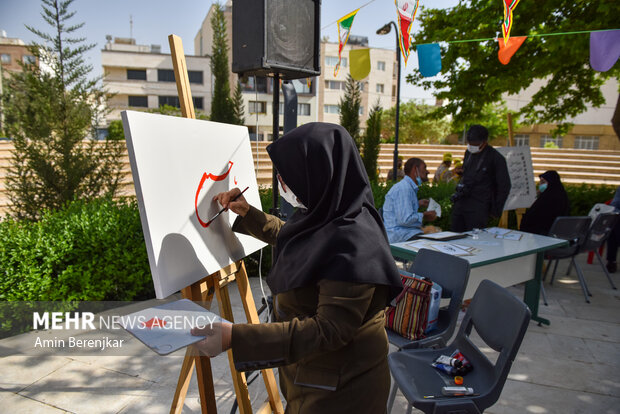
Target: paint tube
[{"x": 446, "y": 360}]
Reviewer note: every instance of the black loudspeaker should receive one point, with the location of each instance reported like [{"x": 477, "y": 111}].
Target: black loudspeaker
[{"x": 276, "y": 36}]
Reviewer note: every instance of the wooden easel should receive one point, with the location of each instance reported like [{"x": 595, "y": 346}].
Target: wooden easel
[
  {"x": 203, "y": 290},
  {"x": 503, "y": 220}
]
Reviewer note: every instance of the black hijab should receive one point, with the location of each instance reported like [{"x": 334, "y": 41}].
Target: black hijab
[
  {"x": 551, "y": 203},
  {"x": 341, "y": 235}
]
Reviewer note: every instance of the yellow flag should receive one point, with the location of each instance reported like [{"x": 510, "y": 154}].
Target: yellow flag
[{"x": 359, "y": 63}]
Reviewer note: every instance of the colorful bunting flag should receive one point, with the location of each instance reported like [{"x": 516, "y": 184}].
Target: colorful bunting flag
[
  {"x": 359, "y": 63},
  {"x": 406, "y": 14},
  {"x": 604, "y": 49},
  {"x": 509, "y": 6},
  {"x": 344, "y": 29},
  {"x": 309, "y": 83},
  {"x": 507, "y": 50},
  {"x": 429, "y": 59}
]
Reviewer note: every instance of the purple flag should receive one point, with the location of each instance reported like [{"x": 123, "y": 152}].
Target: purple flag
[{"x": 604, "y": 49}]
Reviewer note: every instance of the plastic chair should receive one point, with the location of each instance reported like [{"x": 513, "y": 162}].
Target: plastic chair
[
  {"x": 500, "y": 320},
  {"x": 575, "y": 230},
  {"x": 452, "y": 274},
  {"x": 597, "y": 236}
]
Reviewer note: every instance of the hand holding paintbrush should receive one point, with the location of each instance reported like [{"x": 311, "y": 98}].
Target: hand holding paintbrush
[{"x": 232, "y": 200}]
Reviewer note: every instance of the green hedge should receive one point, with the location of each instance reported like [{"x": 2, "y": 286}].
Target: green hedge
[{"x": 86, "y": 252}]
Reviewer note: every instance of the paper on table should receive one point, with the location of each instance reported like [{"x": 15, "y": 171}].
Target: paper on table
[
  {"x": 509, "y": 236},
  {"x": 434, "y": 206},
  {"x": 453, "y": 249},
  {"x": 497, "y": 230}
]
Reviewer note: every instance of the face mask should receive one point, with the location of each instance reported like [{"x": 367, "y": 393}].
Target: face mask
[
  {"x": 289, "y": 196},
  {"x": 473, "y": 148},
  {"x": 542, "y": 187},
  {"x": 418, "y": 180}
]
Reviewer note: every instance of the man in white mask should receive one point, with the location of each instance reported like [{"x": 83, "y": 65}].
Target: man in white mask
[{"x": 484, "y": 188}]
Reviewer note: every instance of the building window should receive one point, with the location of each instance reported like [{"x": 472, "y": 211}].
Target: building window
[
  {"x": 165, "y": 75},
  {"x": 381, "y": 65},
  {"x": 586, "y": 142},
  {"x": 136, "y": 74},
  {"x": 254, "y": 84},
  {"x": 361, "y": 110},
  {"x": 257, "y": 107},
  {"x": 198, "y": 103},
  {"x": 170, "y": 101},
  {"x": 522, "y": 140},
  {"x": 6, "y": 58},
  {"x": 380, "y": 88},
  {"x": 333, "y": 61},
  {"x": 548, "y": 138},
  {"x": 29, "y": 59},
  {"x": 139, "y": 101},
  {"x": 331, "y": 109},
  {"x": 303, "y": 109},
  {"x": 301, "y": 86},
  {"x": 195, "y": 76},
  {"x": 336, "y": 85}
]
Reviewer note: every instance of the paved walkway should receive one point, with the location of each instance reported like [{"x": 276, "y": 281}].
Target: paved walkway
[{"x": 568, "y": 367}]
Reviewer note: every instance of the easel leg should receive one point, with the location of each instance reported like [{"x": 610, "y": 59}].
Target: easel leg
[
  {"x": 239, "y": 380},
  {"x": 184, "y": 378},
  {"x": 250, "y": 312}
]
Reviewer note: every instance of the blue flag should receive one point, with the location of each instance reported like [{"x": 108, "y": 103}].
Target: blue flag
[{"x": 429, "y": 59}]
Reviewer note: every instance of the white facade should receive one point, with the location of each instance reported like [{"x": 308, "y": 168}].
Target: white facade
[
  {"x": 139, "y": 77},
  {"x": 378, "y": 86},
  {"x": 592, "y": 116}
]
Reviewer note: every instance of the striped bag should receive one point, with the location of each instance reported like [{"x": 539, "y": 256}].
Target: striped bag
[{"x": 409, "y": 317}]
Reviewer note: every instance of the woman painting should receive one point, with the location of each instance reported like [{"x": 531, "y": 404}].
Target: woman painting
[{"x": 332, "y": 277}]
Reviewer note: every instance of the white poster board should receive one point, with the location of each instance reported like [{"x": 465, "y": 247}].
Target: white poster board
[
  {"x": 523, "y": 189},
  {"x": 178, "y": 166}
]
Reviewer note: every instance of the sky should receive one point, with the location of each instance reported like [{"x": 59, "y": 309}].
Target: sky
[{"x": 154, "y": 20}]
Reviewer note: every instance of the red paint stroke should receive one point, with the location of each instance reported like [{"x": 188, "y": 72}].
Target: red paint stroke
[
  {"x": 235, "y": 180},
  {"x": 202, "y": 181},
  {"x": 154, "y": 322}
]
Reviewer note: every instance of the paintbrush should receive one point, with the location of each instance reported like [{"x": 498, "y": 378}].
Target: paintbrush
[{"x": 225, "y": 208}]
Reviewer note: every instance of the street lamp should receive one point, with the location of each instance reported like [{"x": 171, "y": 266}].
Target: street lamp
[{"x": 383, "y": 31}]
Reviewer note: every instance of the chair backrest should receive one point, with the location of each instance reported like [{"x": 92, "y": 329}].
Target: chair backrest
[
  {"x": 599, "y": 231},
  {"x": 571, "y": 228},
  {"x": 500, "y": 319},
  {"x": 452, "y": 274}
]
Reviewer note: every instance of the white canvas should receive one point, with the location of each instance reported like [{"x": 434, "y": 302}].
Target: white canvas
[
  {"x": 170, "y": 158},
  {"x": 523, "y": 189}
]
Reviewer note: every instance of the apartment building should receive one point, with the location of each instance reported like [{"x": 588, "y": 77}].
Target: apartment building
[
  {"x": 317, "y": 97},
  {"x": 12, "y": 52},
  {"x": 140, "y": 77},
  {"x": 592, "y": 129},
  {"x": 378, "y": 87}
]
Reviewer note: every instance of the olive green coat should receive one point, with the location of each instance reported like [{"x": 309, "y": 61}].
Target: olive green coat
[{"x": 329, "y": 340}]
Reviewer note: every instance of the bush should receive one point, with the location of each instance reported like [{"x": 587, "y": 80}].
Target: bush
[{"x": 91, "y": 251}]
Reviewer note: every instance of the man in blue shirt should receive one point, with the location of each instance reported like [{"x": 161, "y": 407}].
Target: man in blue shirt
[{"x": 400, "y": 211}]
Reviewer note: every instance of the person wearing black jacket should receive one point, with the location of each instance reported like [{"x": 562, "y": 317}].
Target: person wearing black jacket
[
  {"x": 485, "y": 185},
  {"x": 552, "y": 202}
]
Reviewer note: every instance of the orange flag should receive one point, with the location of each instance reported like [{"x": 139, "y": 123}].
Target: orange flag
[{"x": 506, "y": 51}]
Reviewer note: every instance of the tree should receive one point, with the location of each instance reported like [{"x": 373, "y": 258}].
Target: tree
[
  {"x": 349, "y": 107},
  {"x": 472, "y": 75},
  {"x": 48, "y": 114},
  {"x": 417, "y": 125},
  {"x": 372, "y": 139},
  {"x": 237, "y": 105},
  {"x": 221, "y": 104}
]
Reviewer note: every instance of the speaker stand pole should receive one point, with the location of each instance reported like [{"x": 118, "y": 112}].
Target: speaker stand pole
[{"x": 276, "y": 134}]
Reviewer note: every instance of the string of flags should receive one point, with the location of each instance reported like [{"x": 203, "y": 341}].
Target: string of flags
[{"x": 604, "y": 44}]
